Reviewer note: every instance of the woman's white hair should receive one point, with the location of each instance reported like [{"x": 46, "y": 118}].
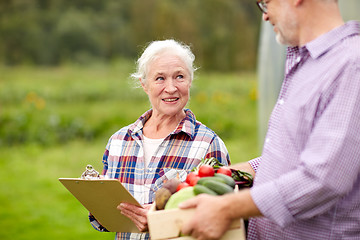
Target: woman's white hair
[{"x": 155, "y": 48}]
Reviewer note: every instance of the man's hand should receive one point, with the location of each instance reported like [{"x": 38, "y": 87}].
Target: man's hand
[
  {"x": 210, "y": 220},
  {"x": 136, "y": 214}
]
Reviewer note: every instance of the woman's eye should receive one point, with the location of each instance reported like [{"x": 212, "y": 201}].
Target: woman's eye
[
  {"x": 159, "y": 78},
  {"x": 180, "y": 76}
]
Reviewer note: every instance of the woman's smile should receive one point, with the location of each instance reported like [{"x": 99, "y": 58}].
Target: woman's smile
[{"x": 170, "y": 99}]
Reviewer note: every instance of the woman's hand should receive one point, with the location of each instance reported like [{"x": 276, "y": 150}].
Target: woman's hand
[{"x": 136, "y": 214}]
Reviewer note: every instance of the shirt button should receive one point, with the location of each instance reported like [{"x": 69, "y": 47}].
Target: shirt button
[
  {"x": 267, "y": 140},
  {"x": 281, "y": 101},
  {"x": 298, "y": 59}
]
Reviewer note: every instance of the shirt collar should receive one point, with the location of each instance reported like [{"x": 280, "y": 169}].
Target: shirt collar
[
  {"x": 138, "y": 125},
  {"x": 187, "y": 125},
  {"x": 325, "y": 42},
  {"x": 322, "y": 44}
]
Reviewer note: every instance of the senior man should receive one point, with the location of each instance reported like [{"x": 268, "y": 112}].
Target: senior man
[{"x": 307, "y": 180}]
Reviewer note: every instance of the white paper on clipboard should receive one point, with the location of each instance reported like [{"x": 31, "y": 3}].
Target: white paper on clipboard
[{"x": 101, "y": 197}]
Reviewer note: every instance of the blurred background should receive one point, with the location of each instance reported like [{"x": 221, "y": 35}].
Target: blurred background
[
  {"x": 65, "y": 88},
  {"x": 50, "y": 32}
]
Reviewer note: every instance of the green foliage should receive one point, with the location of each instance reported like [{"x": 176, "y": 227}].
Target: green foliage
[
  {"x": 226, "y": 102},
  {"x": 223, "y": 33},
  {"x": 34, "y": 204},
  {"x": 55, "y": 105}
]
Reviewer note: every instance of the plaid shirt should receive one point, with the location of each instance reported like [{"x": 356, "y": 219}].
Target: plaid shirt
[
  {"x": 307, "y": 184},
  {"x": 180, "y": 151}
]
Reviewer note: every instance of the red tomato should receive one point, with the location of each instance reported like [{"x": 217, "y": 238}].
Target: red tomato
[
  {"x": 192, "y": 178},
  {"x": 182, "y": 185},
  {"x": 224, "y": 170},
  {"x": 206, "y": 171}
]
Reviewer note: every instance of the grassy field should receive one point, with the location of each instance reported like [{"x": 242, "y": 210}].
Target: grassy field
[{"x": 55, "y": 121}]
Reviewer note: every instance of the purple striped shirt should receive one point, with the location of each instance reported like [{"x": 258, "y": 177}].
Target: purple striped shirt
[
  {"x": 180, "y": 151},
  {"x": 307, "y": 184}
]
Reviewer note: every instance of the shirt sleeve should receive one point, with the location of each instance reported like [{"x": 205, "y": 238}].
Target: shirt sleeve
[
  {"x": 96, "y": 225},
  {"x": 254, "y": 163},
  {"x": 219, "y": 151},
  {"x": 105, "y": 157},
  {"x": 329, "y": 163},
  {"x": 105, "y": 162}
]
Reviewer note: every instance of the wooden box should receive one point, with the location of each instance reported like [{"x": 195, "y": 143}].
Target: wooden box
[{"x": 166, "y": 224}]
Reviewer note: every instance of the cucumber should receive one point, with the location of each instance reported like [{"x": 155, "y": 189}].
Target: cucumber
[
  {"x": 202, "y": 180},
  {"x": 198, "y": 189},
  {"x": 227, "y": 179},
  {"x": 218, "y": 187}
]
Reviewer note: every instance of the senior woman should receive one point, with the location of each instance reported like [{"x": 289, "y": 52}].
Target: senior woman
[{"x": 166, "y": 141}]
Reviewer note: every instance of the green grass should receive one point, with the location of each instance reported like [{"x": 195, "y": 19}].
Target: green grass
[
  {"x": 34, "y": 204},
  {"x": 55, "y": 121}
]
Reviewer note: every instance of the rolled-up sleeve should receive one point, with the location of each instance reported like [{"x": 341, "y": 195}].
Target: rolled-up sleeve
[
  {"x": 254, "y": 163},
  {"x": 218, "y": 150},
  {"x": 96, "y": 225}
]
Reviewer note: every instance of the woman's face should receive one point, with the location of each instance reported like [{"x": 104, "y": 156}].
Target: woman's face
[{"x": 167, "y": 84}]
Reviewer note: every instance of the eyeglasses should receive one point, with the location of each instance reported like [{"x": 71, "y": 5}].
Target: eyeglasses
[{"x": 262, "y": 5}]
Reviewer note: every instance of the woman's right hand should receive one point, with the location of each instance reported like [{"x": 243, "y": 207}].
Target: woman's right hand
[{"x": 136, "y": 214}]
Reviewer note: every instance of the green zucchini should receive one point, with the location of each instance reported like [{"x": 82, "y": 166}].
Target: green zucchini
[
  {"x": 202, "y": 180},
  {"x": 198, "y": 189},
  {"x": 227, "y": 179},
  {"x": 218, "y": 187}
]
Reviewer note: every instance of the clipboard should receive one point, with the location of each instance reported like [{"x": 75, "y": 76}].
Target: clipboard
[{"x": 101, "y": 197}]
